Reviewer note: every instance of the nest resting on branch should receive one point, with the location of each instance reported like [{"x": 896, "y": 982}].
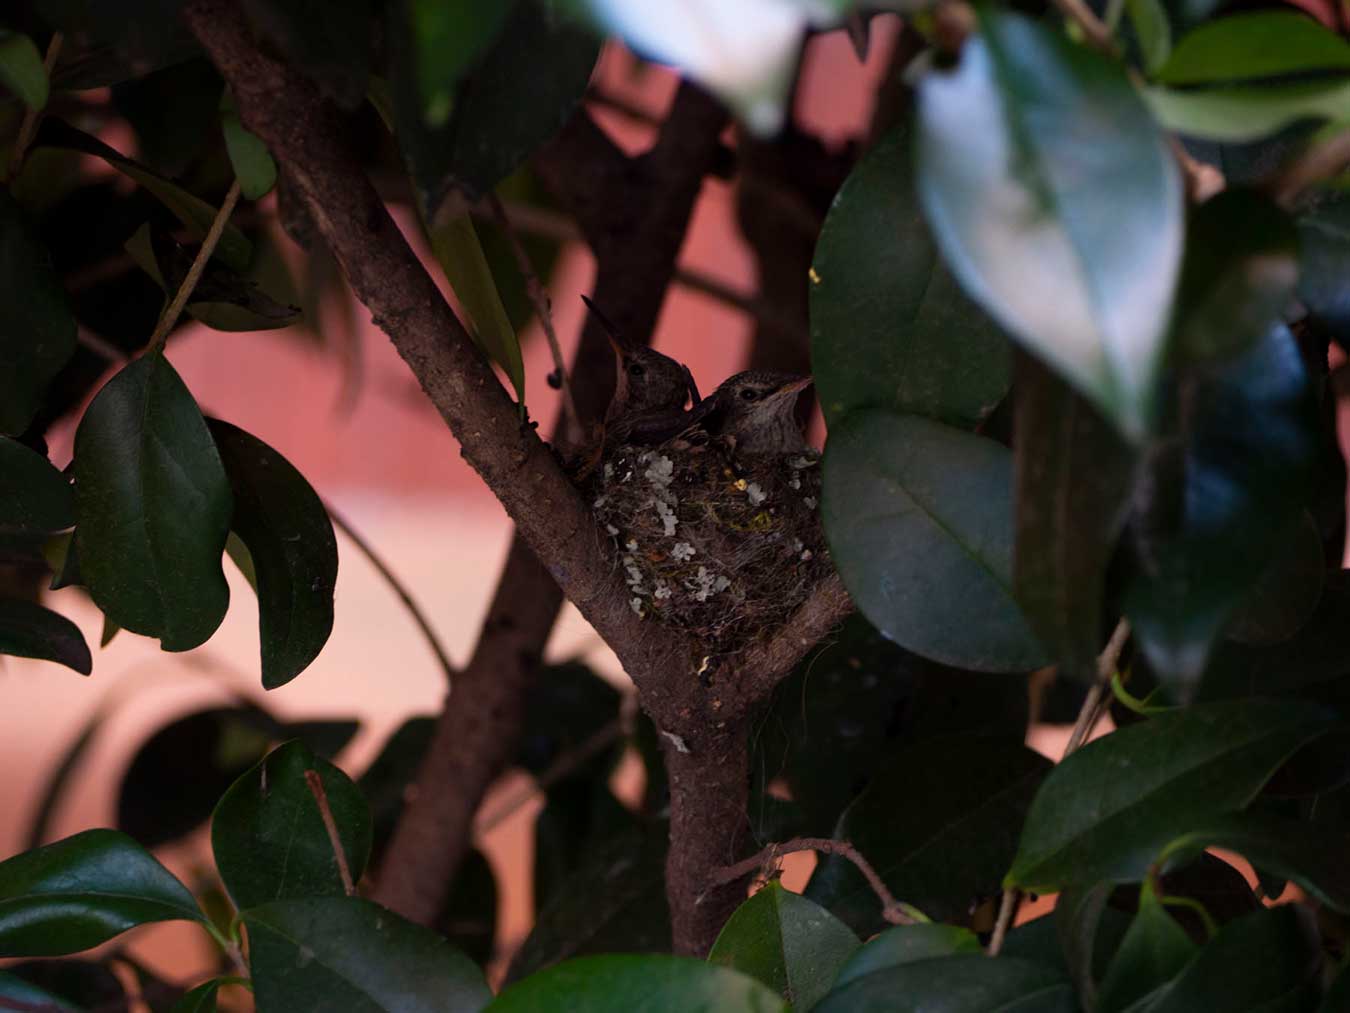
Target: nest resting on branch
[{"x": 722, "y": 548}]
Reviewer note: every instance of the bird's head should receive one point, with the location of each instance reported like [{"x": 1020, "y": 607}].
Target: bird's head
[
  {"x": 644, "y": 379},
  {"x": 757, "y": 410}
]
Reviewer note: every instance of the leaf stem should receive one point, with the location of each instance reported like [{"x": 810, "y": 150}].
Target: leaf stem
[
  {"x": 31, "y": 117},
  {"x": 315, "y": 783},
  {"x": 1007, "y": 911},
  {"x": 1096, "y": 702},
  {"x": 194, "y": 275},
  {"x": 397, "y": 586},
  {"x": 894, "y": 911},
  {"x": 1094, "y": 29}
]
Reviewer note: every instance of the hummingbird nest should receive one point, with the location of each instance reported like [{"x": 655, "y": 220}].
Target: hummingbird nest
[{"x": 722, "y": 548}]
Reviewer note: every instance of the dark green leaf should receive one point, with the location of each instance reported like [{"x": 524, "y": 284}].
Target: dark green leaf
[
  {"x": 1310, "y": 855},
  {"x": 538, "y": 69},
  {"x": 34, "y": 495},
  {"x": 316, "y": 954},
  {"x": 152, "y": 505},
  {"x": 1238, "y": 47},
  {"x": 939, "y": 824},
  {"x": 786, "y": 941},
  {"x": 125, "y": 39},
  {"x": 1286, "y": 595},
  {"x": 956, "y": 984},
  {"x": 234, "y": 249},
  {"x": 1266, "y": 962},
  {"x": 1238, "y": 276},
  {"x": 904, "y": 944},
  {"x": 1324, "y": 249},
  {"x": 201, "y": 999},
  {"x": 1041, "y": 941},
  {"x": 1154, "y": 950},
  {"x": 568, "y": 706},
  {"x": 1152, "y": 31},
  {"x": 1090, "y": 823},
  {"x": 82, "y": 891},
  {"x": 172, "y": 111},
  {"x": 833, "y": 720},
  {"x": 37, "y": 327},
  {"x": 1077, "y": 917},
  {"x": 329, "y": 40},
  {"x": 615, "y": 902},
  {"x": 1073, "y": 475},
  {"x": 1338, "y": 997},
  {"x": 919, "y": 518},
  {"x": 1224, "y": 496},
  {"x": 890, "y": 328},
  {"x": 447, "y": 40},
  {"x": 285, "y": 525},
  {"x": 27, "y": 630},
  {"x": 578, "y": 815},
  {"x": 469, "y": 917},
  {"x": 602, "y": 984},
  {"x": 21, "y": 69},
  {"x": 24, "y": 996},
  {"x": 1247, "y": 113},
  {"x": 1069, "y": 234},
  {"x": 269, "y": 838},
  {"x": 253, "y": 165}
]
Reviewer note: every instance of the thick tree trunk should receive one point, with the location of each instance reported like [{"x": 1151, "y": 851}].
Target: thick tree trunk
[{"x": 709, "y": 829}]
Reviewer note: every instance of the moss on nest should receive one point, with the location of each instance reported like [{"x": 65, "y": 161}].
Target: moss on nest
[{"x": 725, "y": 549}]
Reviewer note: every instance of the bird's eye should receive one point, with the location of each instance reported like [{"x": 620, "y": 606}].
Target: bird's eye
[
  {"x": 749, "y": 393},
  {"x": 636, "y": 369}
]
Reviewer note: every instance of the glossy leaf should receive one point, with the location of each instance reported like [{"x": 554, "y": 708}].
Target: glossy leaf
[
  {"x": 201, "y": 999},
  {"x": 234, "y": 248},
  {"x": 919, "y": 519},
  {"x": 904, "y": 944},
  {"x": 34, "y": 496},
  {"x": 615, "y": 902},
  {"x": 37, "y": 326},
  {"x": 457, "y": 250},
  {"x": 1285, "y": 597},
  {"x": 269, "y": 838},
  {"x": 27, "y": 630},
  {"x": 284, "y": 524},
  {"x": 1310, "y": 855},
  {"x": 21, "y": 69},
  {"x": 957, "y": 984},
  {"x": 596, "y": 984},
  {"x": 1090, "y": 823},
  {"x": 1238, "y": 276},
  {"x": 152, "y": 505},
  {"x": 786, "y": 941},
  {"x": 447, "y": 40},
  {"x": 1246, "y": 113},
  {"x": 315, "y": 954},
  {"x": 23, "y": 996},
  {"x": 253, "y": 165},
  {"x": 538, "y": 68},
  {"x": 1224, "y": 500},
  {"x": 82, "y": 891},
  {"x": 939, "y": 824},
  {"x": 1068, "y": 233},
  {"x": 1153, "y": 951},
  {"x": 1077, "y": 920},
  {"x": 1152, "y": 30},
  {"x": 1324, "y": 241},
  {"x": 1238, "y": 48},
  {"x": 1073, "y": 475},
  {"x": 1265, "y": 961},
  {"x": 890, "y": 328}
]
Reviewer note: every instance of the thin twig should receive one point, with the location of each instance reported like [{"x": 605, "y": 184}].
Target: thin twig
[
  {"x": 316, "y": 789},
  {"x": 1007, "y": 911},
  {"x": 542, "y": 308},
  {"x": 1094, "y": 29},
  {"x": 397, "y": 586},
  {"x": 564, "y": 765},
  {"x": 894, "y": 911},
  {"x": 194, "y": 275},
  {"x": 1097, "y": 700},
  {"x": 31, "y": 117}
]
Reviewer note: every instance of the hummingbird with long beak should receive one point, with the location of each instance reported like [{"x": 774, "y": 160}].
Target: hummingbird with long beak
[
  {"x": 755, "y": 412},
  {"x": 650, "y": 391}
]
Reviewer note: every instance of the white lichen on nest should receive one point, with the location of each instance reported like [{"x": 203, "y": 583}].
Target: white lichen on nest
[{"x": 723, "y": 548}]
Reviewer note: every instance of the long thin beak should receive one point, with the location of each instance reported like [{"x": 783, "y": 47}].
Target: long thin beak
[
  {"x": 611, "y": 332},
  {"x": 796, "y": 385}
]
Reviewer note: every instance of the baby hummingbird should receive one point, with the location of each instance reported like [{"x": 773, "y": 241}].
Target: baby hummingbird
[
  {"x": 755, "y": 412},
  {"x": 650, "y": 390}
]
